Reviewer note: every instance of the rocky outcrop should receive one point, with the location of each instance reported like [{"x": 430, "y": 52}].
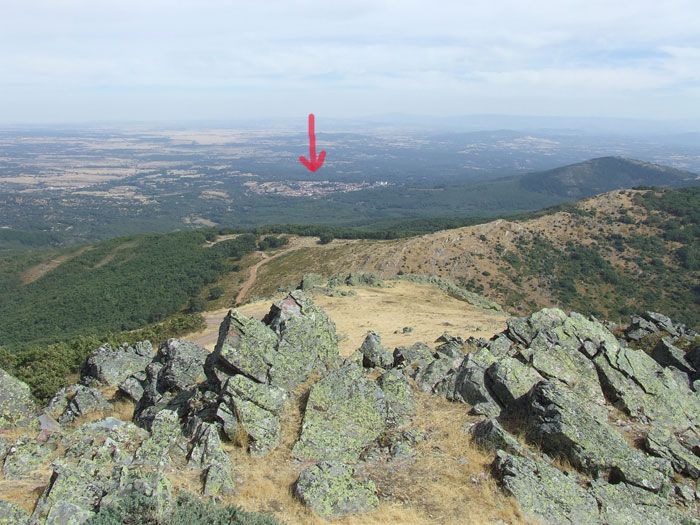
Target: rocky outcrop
[
  {"x": 345, "y": 412},
  {"x": 75, "y": 401},
  {"x": 17, "y": 406},
  {"x": 330, "y": 490},
  {"x": 374, "y": 354},
  {"x": 295, "y": 340},
  {"x": 109, "y": 366},
  {"x": 544, "y": 492}
]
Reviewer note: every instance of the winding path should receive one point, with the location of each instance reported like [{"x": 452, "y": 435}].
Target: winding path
[{"x": 253, "y": 275}]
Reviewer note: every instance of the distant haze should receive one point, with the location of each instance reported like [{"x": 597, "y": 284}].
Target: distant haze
[{"x": 129, "y": 60}]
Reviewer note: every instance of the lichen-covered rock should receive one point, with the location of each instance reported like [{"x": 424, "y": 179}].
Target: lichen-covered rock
[
  {"x": 308, "y": 342},
  {"x": 110, "y": 366},
  {"x": 166, "y": 435},
  {"x": 133, "y": 386},
  {"x": 245, "y": 346},
  {"x": 451, "y": 346},
  {"x": 624, "y": 504},
  {"x": 267, "y": 397},
  {"x": 143, "y": 480},
  {"x": 470, "y": 383},
  {"x": 208, "y": 455},
  {"x": 400, "y": 402},
  {"x": 75, "y": 401},
  {"x": 262, "y": 427},
  {"x": 12, "y": 515},
  {"x": 17, "y": 406},
  {"x": 412, "y": 358},
  {"x": 70, "y": 498},
  {"x": 560, "y": 423},
  {"x": 644, "y": 389},
  {"x": 510, "y": 380},
  {"x": 440, "y": 371},
  {"x": 183, "y": 365},
  {"x": 25, "y": 456},
  {"x": 662, "y": 443},
  {"x": 666, "y": 354},
  {"x": 374, "y": 354},
  {"x": 345, "y": 412},
  {"x": 330, "y": 490},
  {"x": 543, "y": 492},
  {"x": 490, "y": 435}
]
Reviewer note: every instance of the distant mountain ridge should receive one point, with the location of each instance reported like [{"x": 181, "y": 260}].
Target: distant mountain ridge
[{"x": 603, "y": 174}]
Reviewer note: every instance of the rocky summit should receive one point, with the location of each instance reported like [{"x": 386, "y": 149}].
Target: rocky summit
[{"x": 582, "y": 424}]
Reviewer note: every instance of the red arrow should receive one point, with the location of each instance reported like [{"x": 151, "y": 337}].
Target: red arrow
[{"x": 313, "y": 162}]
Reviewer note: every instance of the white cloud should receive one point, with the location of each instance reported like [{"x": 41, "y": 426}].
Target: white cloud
[{"x": 154, "y": 58}]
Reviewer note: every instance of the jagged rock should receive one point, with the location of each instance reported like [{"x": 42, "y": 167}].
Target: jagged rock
[
  {"x": 245, "y": 346},
  {"x": 667, "y": 355},
  {"x": 268, "y": 397},
  {"x": 70, "y": 498},
  {"x": 511, "y": 380},
  {"x": 663, "y": 444},
  {"x": 413, "y": 358},
  {"x": 470, "y": 383},
  {"x": 561, "y": 424},
  {"x": 183, "y": 365},
  {"x": 295, "y": 340},
  {"x": 110, "y": 366},
  {"x": 374, "y": 354},
  {"x": 500, "y": 345},
  {"x": 440, "y": 371},
  {"x": 693, "y": 357},
  {"x": 452, "y": 346},
  {"x": 257, "y": 408},
  {"x": 208, "y": 454},
  {"x": 345, "y": 412},
  {"x": 524, "y": 329},
  {"x": 133, "y": 386},
  {"x": 400, "y": 402},
  {"x": 330, "y": 490},
  {"x": 624, "y": 504},
  {"x": 144, "y": 480},
  {"x": 489, "y": 434},
  {"x": 308, "y": 342},
  {"x": 643, "y": 389},
  {"x": 165, "y": 434},
  {"x": 12, "y": 515},
  {"x": 543, "y": 492},
  {"x": 24, "y": 456},
  {"x": 75, "y": 401},
  {"x": 261, "y": 426},
  {"x": 17, "y": 406},
  {"x": 217, "y": 480}
]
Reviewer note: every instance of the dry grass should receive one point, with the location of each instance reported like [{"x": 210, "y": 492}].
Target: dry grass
[
  {"x": 447, "y": 483},
  {"x": 426, "y": 309}
]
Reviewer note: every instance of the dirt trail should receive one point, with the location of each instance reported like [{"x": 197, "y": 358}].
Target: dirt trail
[{"x": 252, "y": 275}]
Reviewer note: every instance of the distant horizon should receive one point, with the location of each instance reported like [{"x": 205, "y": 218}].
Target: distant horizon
[{"x": 402, "y": 121}]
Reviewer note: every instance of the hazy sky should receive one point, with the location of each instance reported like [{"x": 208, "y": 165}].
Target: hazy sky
[{"x": 86, "y": 60}]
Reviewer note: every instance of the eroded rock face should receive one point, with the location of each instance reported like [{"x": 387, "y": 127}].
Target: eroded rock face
[
  {"x": 109, "y": 366},
  {"x": 544, "y": 492},
  {"x": 295, "y": 340},
  {"x": 400, "y": 401},
  {"x": 12, "y": 515},
  {"x": 345, "y": 412},
  {"x": 374, "y": 354},
  {"x": 17, "y": 407},
  {"x": 75, "y": 401},
  {"x": 330, "y": 490}
]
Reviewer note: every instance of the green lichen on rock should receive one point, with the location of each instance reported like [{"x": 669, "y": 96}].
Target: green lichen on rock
[
  {"x": 17, "y": 407},
  {"x": 345, "y": 412},
  {"x": 12, "y": 515},
  {"x": 561, "y": 424},
  {"x": 511, "y": 380},
  {"x": 307, "y": 340},
  {"x": 400, "y": 401},
  {"x": 543, "y": 492},
  {"x": 330, "y": 490}
]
